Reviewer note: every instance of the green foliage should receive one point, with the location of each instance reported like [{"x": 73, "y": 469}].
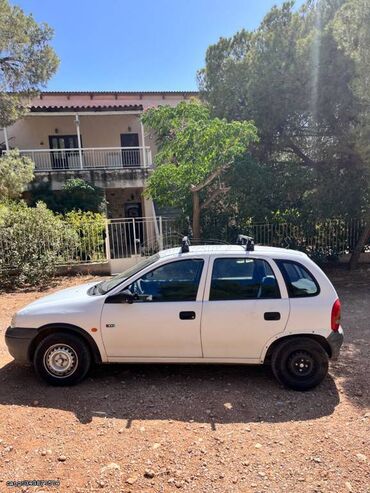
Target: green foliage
[
  {"x": 32, "y": 242},
  {"x": 76, "y": 194},
  {"x": 192, "y": 146},
  {"x": 90, "y": 228},
  {"x": 16, "y": 171},
  {"x": 27, "y": 61},
  {"x": 297, "y": 82}
]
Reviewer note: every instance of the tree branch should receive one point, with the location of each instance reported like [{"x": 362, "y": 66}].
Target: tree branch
[
  {"x": 209, "y": 180},
  {"x": 307, "y": 160},
  {"x": 215, "y": 194}
]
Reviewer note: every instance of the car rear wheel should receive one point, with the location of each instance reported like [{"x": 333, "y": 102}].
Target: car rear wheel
[
  {"x": 300, "y": 363},
  {"x": 62, "y": 359}
]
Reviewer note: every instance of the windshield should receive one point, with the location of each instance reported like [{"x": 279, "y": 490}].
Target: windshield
[{"x": 105, "y": 286}]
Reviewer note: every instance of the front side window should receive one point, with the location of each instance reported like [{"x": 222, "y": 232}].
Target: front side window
[
  {"x": 175, "y": 281},
  {"x": 299, "y": 281},
  {"x": 242, "y": 279}
]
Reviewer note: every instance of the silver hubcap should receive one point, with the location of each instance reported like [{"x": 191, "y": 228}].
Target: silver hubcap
[{"x": 60, "y": 360}]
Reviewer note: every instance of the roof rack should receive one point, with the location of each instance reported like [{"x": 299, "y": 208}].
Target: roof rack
[
  {"x": 185, "y": 244},
  {"x": 246, "y": 241}
]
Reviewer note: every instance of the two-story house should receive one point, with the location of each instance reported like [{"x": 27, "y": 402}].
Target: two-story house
[{"x": 97, "y": 136}]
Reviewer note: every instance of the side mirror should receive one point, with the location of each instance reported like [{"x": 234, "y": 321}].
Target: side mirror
[{"x": 123, "y": 297}]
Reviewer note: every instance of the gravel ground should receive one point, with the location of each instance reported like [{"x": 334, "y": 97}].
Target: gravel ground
[{"x": 193, "y": 428}]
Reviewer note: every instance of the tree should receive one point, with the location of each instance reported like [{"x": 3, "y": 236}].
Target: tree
[
  {"x": 351, "y": 30},
  {"x": 27, "y": 61},
  {"x": 194, "y": 153},
  {"x": 293, "y": 80},
  {"x": 16, "y": 171}
]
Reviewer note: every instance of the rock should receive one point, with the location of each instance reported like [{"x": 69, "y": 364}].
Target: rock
[
  {"x": 228, "y": 405},
  {"x": 258, "y": 445},
  {"x": 317, "y": 460},
  {"x": 101, "y": 483},
  {"x": 131, "y": 480},
  {"x": 156, "y": 445},
  {"x": 149, "y": 473},
  {"x": 35, "y": 403},
  {"x": 361, "y": 457},
  {"x": 110, "y": 467},
  {"x": 348, "y": 486},
  {"x": 62, "y": 458},
  {"x": 43, "y": 453}
]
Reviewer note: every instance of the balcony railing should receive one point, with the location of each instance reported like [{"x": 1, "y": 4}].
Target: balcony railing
[{"x": 89, "y": 158}]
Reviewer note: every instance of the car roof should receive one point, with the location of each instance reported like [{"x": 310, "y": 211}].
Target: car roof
[{"x": 224, "y": 250}]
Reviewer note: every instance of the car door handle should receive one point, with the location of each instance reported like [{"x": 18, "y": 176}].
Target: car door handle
[
  {"x": 187, "y": 315},
  {"x": 272, "y": 316}
]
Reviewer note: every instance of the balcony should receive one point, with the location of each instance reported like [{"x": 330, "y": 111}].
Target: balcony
[{"x": 89, "y": 158}]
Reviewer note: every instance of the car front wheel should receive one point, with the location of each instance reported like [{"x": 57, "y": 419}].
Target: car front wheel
[
  {"x": 62, "y": 359},
  {"x": 300, "y": 363}
]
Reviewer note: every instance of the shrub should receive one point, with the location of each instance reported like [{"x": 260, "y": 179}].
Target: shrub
[
  {"x": 76, "y": 195},
  {"x": 32, "y": 241},
  {"x": 15, "y": 172},
  {"x": 90, "y": 228}
]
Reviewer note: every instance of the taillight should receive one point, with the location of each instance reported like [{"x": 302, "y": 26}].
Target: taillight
[{"x": 335, "y": 316}]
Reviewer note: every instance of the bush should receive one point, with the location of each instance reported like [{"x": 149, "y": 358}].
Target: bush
[
  {"x": 90, "y": 228},
  {"x": 15, "y": 172},
  {"x": 32, "y": 242},
  {"x": 76, "y": 195}
]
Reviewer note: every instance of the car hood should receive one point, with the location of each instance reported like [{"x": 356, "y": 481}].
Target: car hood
[{"x": 76, "y": 293}]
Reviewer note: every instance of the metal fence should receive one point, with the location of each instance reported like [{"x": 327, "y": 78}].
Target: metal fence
[
  {"x": 141, "y": 236},
  {"x": 329, "y": 237},
  {"x": 120, "y": 238}
]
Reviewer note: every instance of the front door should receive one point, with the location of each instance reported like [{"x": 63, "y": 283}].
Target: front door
[
  {"x": 164, "y": 321},
  {"x": 130, "y": 156},
  {"x": 243, "y": 309},
  {"x": 62, "y": 158}
]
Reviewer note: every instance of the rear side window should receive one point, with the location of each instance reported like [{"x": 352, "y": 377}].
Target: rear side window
[
  {"x": 242, "y": 279},
  {"x": 299, "y": 281}
]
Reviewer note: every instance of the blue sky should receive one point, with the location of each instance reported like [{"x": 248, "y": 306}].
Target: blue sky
[{"x": 147, "y": 45}]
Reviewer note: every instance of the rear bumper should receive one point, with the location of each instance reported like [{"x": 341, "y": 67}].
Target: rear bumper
[
  {"x": 335, "y": 341},
  {"x": 18, "y": 340}
]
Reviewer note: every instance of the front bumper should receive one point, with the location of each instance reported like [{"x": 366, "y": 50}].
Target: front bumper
[
  {"x": 18, "y": 340},
  {"x": 335, "y": 341}
]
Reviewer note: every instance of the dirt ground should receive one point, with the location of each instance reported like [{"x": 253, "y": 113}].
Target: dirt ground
[{"x": 191, "y": 428}]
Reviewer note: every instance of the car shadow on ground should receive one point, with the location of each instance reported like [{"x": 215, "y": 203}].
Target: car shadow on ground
[{"x": 213, "y": 394}]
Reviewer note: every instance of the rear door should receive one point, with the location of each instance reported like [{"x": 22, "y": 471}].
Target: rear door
[{"x": 245, "y": 305}]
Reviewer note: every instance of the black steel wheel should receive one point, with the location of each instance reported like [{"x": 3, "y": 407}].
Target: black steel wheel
[{"x": 300, "y": 363}]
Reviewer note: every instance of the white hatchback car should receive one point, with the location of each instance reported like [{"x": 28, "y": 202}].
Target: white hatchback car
[{"x": 203, "y": 304}]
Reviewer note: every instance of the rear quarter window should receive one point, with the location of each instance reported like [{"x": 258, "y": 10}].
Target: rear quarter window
[{"x": 299, "y": 281}]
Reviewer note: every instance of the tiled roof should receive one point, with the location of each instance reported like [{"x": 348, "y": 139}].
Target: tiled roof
[
  {"x": 119, "y": 92},
  {"x": 92, "y": 107}
]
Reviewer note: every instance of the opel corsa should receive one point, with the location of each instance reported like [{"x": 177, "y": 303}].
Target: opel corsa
[{"x": 199, "y": 304}]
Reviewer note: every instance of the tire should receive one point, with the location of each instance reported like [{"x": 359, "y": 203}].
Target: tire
[
  {"x": 62, "y": 359},
  {"x": 300, "y": 363}
]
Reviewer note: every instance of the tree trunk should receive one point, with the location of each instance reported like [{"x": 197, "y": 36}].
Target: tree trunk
[
  {"x": 196, "y": 216},
  {"x": 355, "y": 257}
]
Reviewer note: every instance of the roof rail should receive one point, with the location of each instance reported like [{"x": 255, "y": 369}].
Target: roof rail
[
  {"x": 185, "y": 244},
  {"x": 246, "y": 241}
]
